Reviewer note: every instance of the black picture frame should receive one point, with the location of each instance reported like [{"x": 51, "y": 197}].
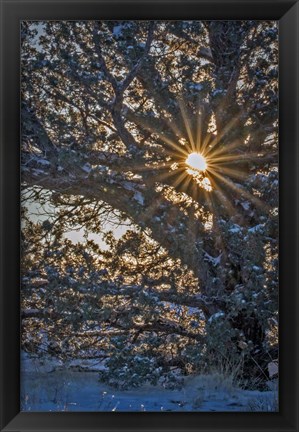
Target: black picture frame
[{"x": 12, "y": 12}]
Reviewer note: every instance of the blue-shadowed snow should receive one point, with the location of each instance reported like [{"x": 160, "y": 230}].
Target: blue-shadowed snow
[
  {"x": 117, "y": 30},
  {"x": 257, "y": 228},
  {"x": 139, "y": 197},
  {"x": 216, "y": 316},
  {"x": 52, "y": 386},
  {"x": 235, "y": 229}
]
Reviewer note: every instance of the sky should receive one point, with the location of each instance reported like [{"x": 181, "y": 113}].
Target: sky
[{"x": 38, "y": 214}]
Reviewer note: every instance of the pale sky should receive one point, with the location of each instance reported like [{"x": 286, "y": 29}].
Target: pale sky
[{"x": 38, "y": 214}]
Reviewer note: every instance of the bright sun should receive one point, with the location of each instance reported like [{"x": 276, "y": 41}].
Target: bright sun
[{"x": 197, "y": 161}]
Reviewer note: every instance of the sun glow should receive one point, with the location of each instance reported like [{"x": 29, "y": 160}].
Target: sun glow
[{"x": 197, "y": 161}]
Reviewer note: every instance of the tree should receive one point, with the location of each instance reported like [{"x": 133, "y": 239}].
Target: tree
[{"x": 110, "y": 112}]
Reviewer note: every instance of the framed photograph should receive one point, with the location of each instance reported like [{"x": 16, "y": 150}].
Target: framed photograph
[{"x": 149, "y": 215}]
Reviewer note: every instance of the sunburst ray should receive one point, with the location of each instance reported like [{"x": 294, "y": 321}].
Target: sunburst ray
[
  {"x": 187, "y": 124},
  {"x": 243, "y": 192}
]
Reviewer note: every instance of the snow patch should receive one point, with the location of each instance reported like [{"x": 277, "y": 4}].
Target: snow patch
[
  {"x": 214, "y": 261},
  {"x": 42, "y": 161},
  {"x": 245, "y": 205},
  {"x": 235, "y": 229},
  {"x": 139, "y": 197},
  {"x": 196, "y": 86},
  {"x": 256, "y": 268},
  {"x": 257, "y": 228},
  {"x": 117, "y": 31},
  {"x": 75, "y": 390},
  {"x": 87, "y": 168},
  {"x": 128, "y": 186},
  {"x": 216, "y": 316}
]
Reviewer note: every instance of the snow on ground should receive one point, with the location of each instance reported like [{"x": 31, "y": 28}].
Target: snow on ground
[{"x": 50, "y": 386}]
